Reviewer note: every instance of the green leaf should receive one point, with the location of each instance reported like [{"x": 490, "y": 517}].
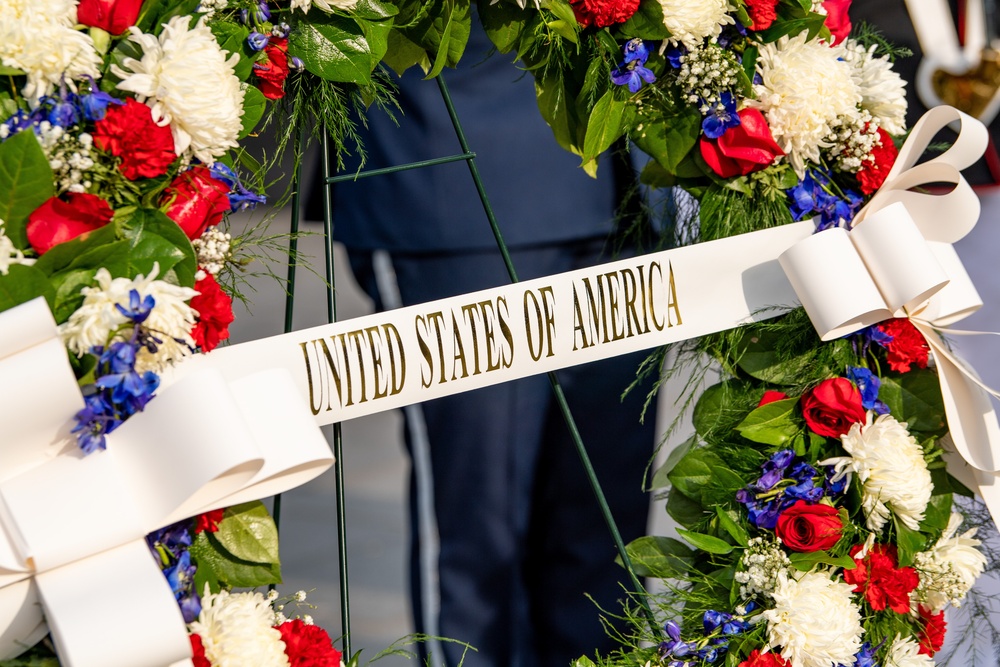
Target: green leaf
[
  {"x": 336, "y": 48},
  {"x": 937, "y": 514},
  {"x": 68, "y": 288},
  {"x": 757, "y": 357},
  {"x": 695, "y": 471},
  {"x": 10, "y": 71},
  {"x": 220, "y": 568},
  {"x": 909, "y": 542},
  {"x": 668, "y": 139},
  {"x": 556, "y": 108},
  {"x": 806, "y": 561},
  {"x": 712, "y": 545},
  {"x": 735, "y": 530},
  {"x": 772, "y": 424},
  {"x": 683, "y": 509},
  {"x": 583, "y": 661},
  {"x": 248, "y": 533},
  {"x": 915, "y": 398},
  {"x": 441, "y": 28},
  {"x": 403, "y": 54},
  {"x": 25, "y": 184},
  {"x": 254, "y": 104},
  {"x": 232, "y": 37},
  {"x": 62, "y": 256},
  {"x": 504, "y": 23},
  {"x": 661, "y": 557},
  {"x": 660, "y": 477},
  {"x": 148, "y": 222},
  {"x": 646, "y": 23},
  {"x": 607, "y": 123},
  {"x": 812, "y": 23},
  {"x": 22, "y": 284}
]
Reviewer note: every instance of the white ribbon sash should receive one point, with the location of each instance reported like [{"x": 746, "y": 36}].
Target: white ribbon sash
[{"x": 72, "y": 527}]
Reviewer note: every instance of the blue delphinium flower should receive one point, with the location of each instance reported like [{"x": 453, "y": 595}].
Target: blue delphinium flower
[
  {"x": 257, "y": 40},
  {"x": 95, "y": 103},
  {"x": 869, "y": 335},
  {"x": 170, "y": 547},
  {"x": 240, "y": 198},
  {"x": 868, "y": 384},
  {"x": 63, "y": 111},
  {"x": 632, "y": 71},
  {"x": 281, "y": 30},
  {"x": 94, "y": 422},
  {"x": 721, "y": 117},
  {"x": 138, "y": 308},
  {"x": 765, "y": 500},
  {"x": 675, "y": 56},
  {"x": 810, "y": 198},
  {"x": 295, "y": 63}
]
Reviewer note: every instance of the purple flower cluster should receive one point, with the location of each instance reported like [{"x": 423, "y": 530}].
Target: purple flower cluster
[
  {"x": 718, "y": 626},
  {"x": 240, "y": 198},
  {"x": 721, "y": 117},
  {"x": 119, "y": 391},
  {"x": 65, "y": 111},
  {"x": 785, "y": 481},
  {"x": 170, "y": 547},
  {"x": 868, "y": 384},
  {"x": 812, "y": 198},
  {"x": 632, "y": 71}
]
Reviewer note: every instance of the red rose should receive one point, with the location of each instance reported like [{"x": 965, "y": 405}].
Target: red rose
[
  {"x": 837, "y": 19},
  {"x": 872, "y": 175},
  {"x": 215, "y": 314},
  {"x": 832, "y": 406},
  {"x": 931, "y": 636},
  {"x": 762, "y": 13},
  {"x": 882, "y": 581},
  {"x": 758, "y": 659},
  {"x": 804, "y": 527},
  {"x": 198, "y": 652},
  {"x": 273, "y": 73},
  {"x": 603, "y": 13},
  {"x": 129, "y": 132},
  {"x": 114, "y": 16},
  {"x": 770, "y": 396},
  {"x": 907, "y": 347},
  {"x": 308, "y": 645},
  {"x": 195, "y": 200},
  {"x": 209, "y": 521},
  {"x": 57, "y": 221},
  {"x": 742, "y": 149}
]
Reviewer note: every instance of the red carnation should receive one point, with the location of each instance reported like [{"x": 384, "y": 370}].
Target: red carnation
[
  {"x": 837, "y": 19},
  {"x": 57, "y": 221},
  {"x": 762, "y": 13},
  {"x": 758, "y": 659},
  {"x": 832, "y": 407},
  {"x": 129, "y": 132},
  {"x": 742, "y": 149},
  {"x": 198, "y": 652},
  {"x": 770, "y": 396},
  {"x": 807, "y": 528},
  {"x": 308, "y": 645},
  {"x": 602, "y": 13},
  {"x": 195, "y": 200},
  {"x": 113, "y": 16},
  {"x": 209, "y": 521},
  {"x": 273, "y": 73},
  {"x": 872, "y": 175},
  {"x": 215, "y": 314},
  {"x": 931, "y": 636},
  {"x": 884, "y": 583},
  {"x": 907, "y": 347}
]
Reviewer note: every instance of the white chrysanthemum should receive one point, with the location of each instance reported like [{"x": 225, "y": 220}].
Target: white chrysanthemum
[
  {"x": 327, "y": 6},
  {"x": 37, "y": 36},
  {"x": 691, "y": 21},
  {"x": 906, "y": 653},
  {"x": 235, "y": 629},
  {"x": 814, "y": 622},
  {"x": 949, "y": 568},
  {"x": 188, "y": 81},
  {"x": 883, "y": 91},
  {"x": 170, "y": 320},
  {"x": 9, "y": 254},
  {"x": 806, "y": 91},
  {"x": 892, "y": 470}
]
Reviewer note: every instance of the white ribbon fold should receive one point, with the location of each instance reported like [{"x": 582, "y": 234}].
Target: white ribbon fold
[
  {"x": 898, "y": 261},
  {"x": 72, "y": 527}
]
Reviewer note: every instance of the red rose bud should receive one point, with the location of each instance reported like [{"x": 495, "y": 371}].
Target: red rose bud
[
  {"x": 129, "y": 132},
  {"x": 762, "y": 13},
  {"x": 872, "y": 175},
  {"x": 602, "y": 13},
  {"x": 837, "y": 19},
  {"x": 758, "y": 659},
  {"x": 832, "y": 407},
  {"x": 57, "y": 221},
  {"x": 806, "y": 528},
  {"x": 215, "y": 314},
  {"x": 195, "y": 200},
  {"x": 272, "y": 74},
  {"x": 113, "y": 16},
  {"x": 907, "y": 347},
  {"x": 770, "y": 396},
  {"x": 746, "y": 148}
]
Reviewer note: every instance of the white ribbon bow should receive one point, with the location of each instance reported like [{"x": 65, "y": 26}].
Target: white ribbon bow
[
  {"x": 898, "y": 261},
  {"x": 72, "y": 527}
]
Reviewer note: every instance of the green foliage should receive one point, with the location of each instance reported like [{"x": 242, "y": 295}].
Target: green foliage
[
  {"x": 24, "y": 283},
  {"x": 343, "y": 49},
  {"x": 915, "y": 398},
  {"x": 243, "y": 553},
  {"x": 661, "y": 557},
  {"x": 772, "y": 424},
  {"x": 438, "y": 28},
  {"x": 25, "y": 183}
]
